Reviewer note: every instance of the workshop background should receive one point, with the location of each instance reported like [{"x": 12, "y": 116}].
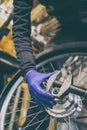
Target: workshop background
[{"x": 44, "y": 27}]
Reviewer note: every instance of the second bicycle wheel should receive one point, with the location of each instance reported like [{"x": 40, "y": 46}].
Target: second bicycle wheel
[{"x": 19, "y": 111}]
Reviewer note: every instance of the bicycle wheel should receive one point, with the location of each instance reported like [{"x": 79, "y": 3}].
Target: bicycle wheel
[{"x": 19, "y": 111}]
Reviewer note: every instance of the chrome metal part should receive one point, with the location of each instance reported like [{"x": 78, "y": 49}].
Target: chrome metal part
[{"x": 70, "y": 105}]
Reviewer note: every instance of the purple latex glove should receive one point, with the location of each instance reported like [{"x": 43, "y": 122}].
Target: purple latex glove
[{"x": 41, "y": 97}]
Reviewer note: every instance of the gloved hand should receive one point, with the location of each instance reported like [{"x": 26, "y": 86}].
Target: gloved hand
[{"x": 40, "y": 96}]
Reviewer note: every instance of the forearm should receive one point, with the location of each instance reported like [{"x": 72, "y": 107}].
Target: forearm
[{"x": 21, "y": 34}]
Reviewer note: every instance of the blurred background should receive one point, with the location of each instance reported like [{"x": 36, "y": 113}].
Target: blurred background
[{"x": 44, "y": 27}]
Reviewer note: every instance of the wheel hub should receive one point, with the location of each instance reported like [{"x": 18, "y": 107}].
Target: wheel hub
[{"x": 70, "y": 105}]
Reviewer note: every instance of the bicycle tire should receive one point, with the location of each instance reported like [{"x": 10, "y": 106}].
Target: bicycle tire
[{"x": 42, "y": 59}]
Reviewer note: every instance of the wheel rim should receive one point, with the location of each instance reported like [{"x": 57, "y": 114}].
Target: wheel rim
[{"x": 47, "y": 67}]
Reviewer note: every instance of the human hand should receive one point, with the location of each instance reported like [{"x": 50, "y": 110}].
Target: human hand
[{"x": 40, "y": 96}]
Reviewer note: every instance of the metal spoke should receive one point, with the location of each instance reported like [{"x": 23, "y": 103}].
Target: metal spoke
[
  {"x": 26, "y": 109},
  {"x": 30, "y": 124},
  {"x": 43, "y": 69},
  {"x": 52, "y": 66},
  {"x": 26, "y": 117},
  {"x": 14, "y": 108},
  {"x": 41, "y": 122},
  {"x": 46, "y": 118}
]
